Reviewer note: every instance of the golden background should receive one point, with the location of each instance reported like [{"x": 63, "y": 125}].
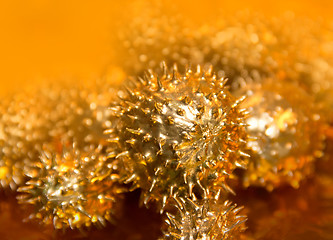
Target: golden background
[
  {"x": 49, "y": 40},
  {"x": 57, "y": 40}
]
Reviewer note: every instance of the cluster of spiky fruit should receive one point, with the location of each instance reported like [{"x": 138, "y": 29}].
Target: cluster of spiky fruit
[
  {"x": 283, "y": 67},
  {"x": 178, "y": 136},
  {"x": 181, "y": 135},
  {"x": 168, "y": 145},
  {"x": 29, "y": 120},
  {"x": 54, "y": 150},
  {"x": 177, "y": 133},
  {"x": 244, "y": 47}
]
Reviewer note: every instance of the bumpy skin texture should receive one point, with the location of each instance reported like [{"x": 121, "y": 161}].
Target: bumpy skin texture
[
  {"x": 178, "y": 134},
  {"x": 71, "y": 188},
  {"x": 204, "y": 220},
  {"x": 286, "y": 131},
  {"x": 52, "y": 114}
]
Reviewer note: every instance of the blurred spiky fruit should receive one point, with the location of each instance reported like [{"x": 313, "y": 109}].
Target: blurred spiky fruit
[
  {"x": 178, "y": 134},
  {"x": 286, "y": 131},
  {"x": 249, "y": 47},
  {"x": 245, "y": 47},
  {"x": 205, "y": 219},
  {"x": 242, "y": 45},
  {"x": 155, "y": 32},
  {"x": 26, "y": 121},
  {"x": 321, "y": 76},
  {"x": 51, "y": 114},
  {"x": 72, "y": 188}
]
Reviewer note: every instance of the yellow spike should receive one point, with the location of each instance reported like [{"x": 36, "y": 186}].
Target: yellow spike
[
  {"x": 159, "y": 107},
  {"x": 130, "y": 104},
  {"x": 159, "y": 84},
  {"x": 244, "y": 154},
  {"x": 241, "y": 164},
  {"x": 131, "y": 178},
  {"x": 145, "y": 111},
  {"x": 228, "y": 189},
  {"x": 132, "y": 117},
  {"x": 164, "y": 69},
  {"x": 152, "y": 185},
  {"x": 122, "y": 154},
  {"x": 171, "y": 120},
  {"x": 113, "y": 140},
  {"x": 135, "y": 131},
  {"x": 239, "y": 101},
  {"x": 164, "y": 200}
]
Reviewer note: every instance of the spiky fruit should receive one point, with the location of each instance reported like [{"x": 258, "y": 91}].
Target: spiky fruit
[
  {"x": 30, "y": 119},
  {"x": 245, "y": 47},
  {"x": 286, "y": 131},
  {"x": 25, "y": 125},
  {"x": 321, "y": 81},
  {"x": 81, "y": 118},
  {"x": 72, "y": 188},
  {"x": 249, "y": 47},
  {"x": 205, "y": 220},
  {"x": 242, "y": 45},
  {"x": 178, "y": 134}
]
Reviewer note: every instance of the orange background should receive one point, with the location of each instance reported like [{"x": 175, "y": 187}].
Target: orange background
[{"x": 61, "y": 39}]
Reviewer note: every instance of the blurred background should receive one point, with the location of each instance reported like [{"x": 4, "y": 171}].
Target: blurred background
[
  {"x": 51, "y": 40},
  {"x": 57, "y": 40}
]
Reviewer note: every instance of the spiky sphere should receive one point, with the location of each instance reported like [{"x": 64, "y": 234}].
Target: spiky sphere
[
  {"x": 286, "y": 131},
  {"x": 72, "y": 188},
  {"x": 178, "y": 133},
  {"x": 321, "y": 85},
  {"x": 82, "y": 118},
  {"x": 242, "y": 45},
  {"x": 26, "y": 121},
  {"x": 249, "y": 47},
  {"x": 51, "y": 114},
  {"x": 157, "y": 31},
  {"x": 204, "y": 220},
  {"x": 148, "y": 40}
]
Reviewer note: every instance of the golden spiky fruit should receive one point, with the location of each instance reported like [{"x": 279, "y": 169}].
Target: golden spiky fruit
[
  {"x": 72, "y": 188},
  {"x": 249, "y": 47},
  {"x": 242, "y": 45},
  {"x": 30, "y": 119},
  {"x": 204, "y": 220},
  {"x": 321, "y": 80},
  {"x": 178, "y": 134},
  {"x": 286, "y": 131},
  {"x": 82, "y": 118},
  {"x": 25, "y": 124}
]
